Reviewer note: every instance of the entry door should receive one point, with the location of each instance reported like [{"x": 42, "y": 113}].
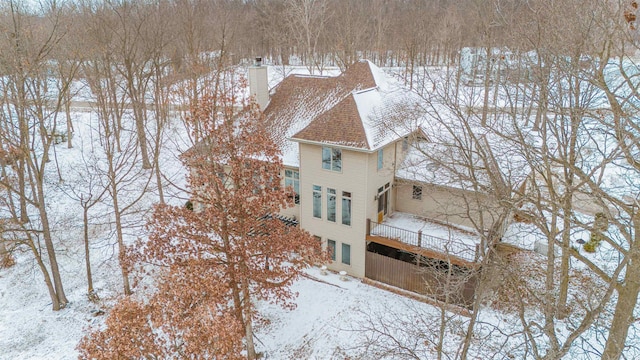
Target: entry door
[{"x": 383, "y": 202}]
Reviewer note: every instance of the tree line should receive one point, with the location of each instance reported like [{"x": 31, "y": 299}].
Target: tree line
[{"x": 146, "y": 60}]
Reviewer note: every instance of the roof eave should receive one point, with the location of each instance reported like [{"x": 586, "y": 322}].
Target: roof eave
[{"x": 319, "y": 143}]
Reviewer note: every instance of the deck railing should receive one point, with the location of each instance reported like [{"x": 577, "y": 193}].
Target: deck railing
[{"x": 446, "y": 246}]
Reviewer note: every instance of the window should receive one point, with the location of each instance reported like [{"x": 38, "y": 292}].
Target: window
[
  {"x": 417, "y": 192},
  {"x": 331, "y": 247},
  {"x": 331, "y": 159},
  {"x": 383, "y": 199},
  {"x": 405, "y": 144},
  {"x": 292, "y": 178},
  {"x": 317, "y": 201},
  {"x": 346, "y": 208},
  {"x": 331, "y": 205},
  {"x": 380, "y": 159},
  {"x": 346, "y": 254}
]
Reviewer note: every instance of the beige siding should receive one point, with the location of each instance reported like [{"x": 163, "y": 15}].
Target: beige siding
[
  {"x": 449, "y": 205},
  {"x": 361, "y": 177},
  {"x": 378, "y": 178},
  {"x": 352, "y": 179}
]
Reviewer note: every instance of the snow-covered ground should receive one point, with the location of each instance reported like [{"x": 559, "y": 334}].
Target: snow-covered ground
[
  {"x": 445, "y": 239},
  {"x": 321, "y": 327},
  {"x": 334, "y": 319}
]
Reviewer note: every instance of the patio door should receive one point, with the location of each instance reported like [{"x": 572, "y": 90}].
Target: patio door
[{"x": 383, "y": 202}]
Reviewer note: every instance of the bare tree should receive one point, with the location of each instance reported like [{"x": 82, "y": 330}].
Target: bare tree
[
  {"x": 308, "y": 20},
  {"x": 29, "y": 123}
]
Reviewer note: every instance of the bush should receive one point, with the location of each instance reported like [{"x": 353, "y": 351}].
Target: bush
[
  {"x": 594, "y": 242},
  {"x": 589, "y": 247},
  {"x": 7, "y": 261}
]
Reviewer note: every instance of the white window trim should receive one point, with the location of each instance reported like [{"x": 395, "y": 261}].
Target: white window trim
[
  {"x": 313, "y": 199},
  {"x": 332, "y": 193},
  {"x": 293, "y": 180},
  {"x": 350, "y": 197},
  {"x": 331, "y": 149}
]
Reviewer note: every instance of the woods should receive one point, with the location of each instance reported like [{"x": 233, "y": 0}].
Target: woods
[{"x": 533, "y": 105}]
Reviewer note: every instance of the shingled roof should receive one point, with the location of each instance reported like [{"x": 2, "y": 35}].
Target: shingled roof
[{"x": 333, "y": 110}]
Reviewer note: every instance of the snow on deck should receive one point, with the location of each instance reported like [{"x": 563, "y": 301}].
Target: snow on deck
[{"x": 405, "y": 227}]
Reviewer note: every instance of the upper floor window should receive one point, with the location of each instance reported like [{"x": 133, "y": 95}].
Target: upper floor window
[
  {"x": 331, "y": 158},
  {"x": 380, "y": 159},
  {"x": 292, "y": 178},
  {"x": 331, "y": 204},
  {"x": 346, "y": 208},
  {"x": 317, "y": 201}
]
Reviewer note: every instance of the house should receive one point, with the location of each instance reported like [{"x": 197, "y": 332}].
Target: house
[{"x": 346, "y": 150}]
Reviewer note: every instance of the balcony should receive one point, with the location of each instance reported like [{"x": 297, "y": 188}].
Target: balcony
[{"x": 430, "y": 239}]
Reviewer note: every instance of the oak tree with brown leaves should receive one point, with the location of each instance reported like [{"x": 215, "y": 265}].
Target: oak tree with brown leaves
[{"x": 213, "y": 263}]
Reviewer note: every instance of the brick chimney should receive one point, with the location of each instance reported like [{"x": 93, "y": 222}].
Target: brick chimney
[{"x": 258, "y": 83}]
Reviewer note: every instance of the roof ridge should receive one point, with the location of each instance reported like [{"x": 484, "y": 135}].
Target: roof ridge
[{"x": 365, "y": 90}]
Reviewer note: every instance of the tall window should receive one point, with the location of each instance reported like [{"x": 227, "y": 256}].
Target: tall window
[
  {"x": 417, "y": 192},
  {"x": 331, "y": 205},
  {"x": 331, "y": 158},
  {"x": 317, "y": 201},
  {"x": 346, "y": 208},
  {"x": 331, "y": 247},
  {"x": 380, "y": 159},
  {"x": 292, "y": 178},
  {"x": 346, "y": 254}
]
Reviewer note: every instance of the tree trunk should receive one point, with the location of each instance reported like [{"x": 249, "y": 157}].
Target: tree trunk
[
  {"x": 55, "y": 300},
  {"x": 5, "y": 257},
  {"x": 121, "y": 252},
  {"x": 248, "y": 323},
  {"x": 24, "y": 217},
  {"x": 567, "y": 209},
  {"x": 627, "y": 300},
  {"x": 87, "y": 259},
  {"x": 487, "y": 75},
  {"x": 142, "y": 135},
  {"x": 67, "y": 108},
  {"x": 48, "y": 241},
  {"x": 119, "y": 234}
]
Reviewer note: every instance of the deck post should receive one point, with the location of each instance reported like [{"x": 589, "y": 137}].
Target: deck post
[
  {"x": 419, "y": 245},
  {"x": 368, "y": 226},
  {"x": 477, "y": 255}
]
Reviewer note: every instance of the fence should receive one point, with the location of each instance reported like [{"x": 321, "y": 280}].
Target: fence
[{"x": 451, "y": 287}]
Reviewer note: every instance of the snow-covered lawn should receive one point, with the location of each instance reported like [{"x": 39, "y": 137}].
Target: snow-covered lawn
[{"x": 321, "y": 327}]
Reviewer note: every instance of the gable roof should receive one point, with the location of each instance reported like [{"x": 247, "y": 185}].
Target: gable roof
[
  {"x": 339, "y": 125},
  {"x": 345, "y": 110}
]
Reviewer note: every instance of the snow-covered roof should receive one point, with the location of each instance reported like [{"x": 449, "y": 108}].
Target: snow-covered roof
[
  {"x": 457, "y": 153},
  {"x": 346, "y": 110}
]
